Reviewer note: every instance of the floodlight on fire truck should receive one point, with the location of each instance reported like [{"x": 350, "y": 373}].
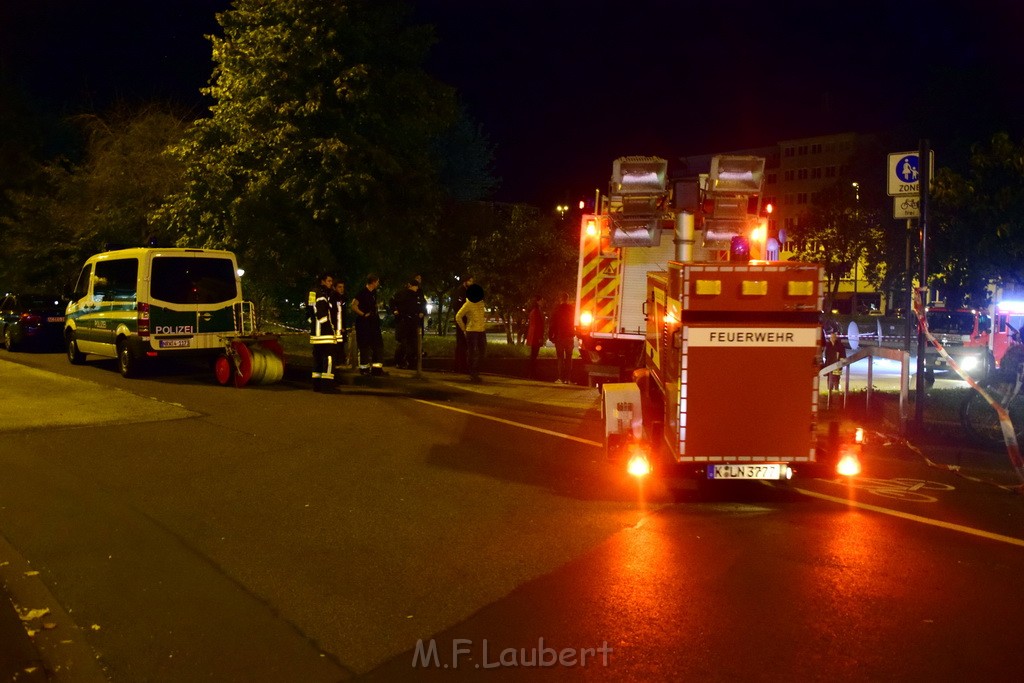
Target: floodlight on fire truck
[
  {"x": 639, "y": 175},
  {"x": 591, "y": 228},
  {"x": 736, "y": 174}
]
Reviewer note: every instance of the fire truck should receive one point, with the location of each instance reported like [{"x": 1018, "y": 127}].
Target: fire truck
[
  {"x": 976, "y": 339},
  {"x": 726, "y": 379}
]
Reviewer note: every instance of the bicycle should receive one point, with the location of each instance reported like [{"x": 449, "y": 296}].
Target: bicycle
[{"x": 980, "y": 420}]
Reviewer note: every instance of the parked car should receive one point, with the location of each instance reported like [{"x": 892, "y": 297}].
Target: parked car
[{"x": 35, "y": 320}]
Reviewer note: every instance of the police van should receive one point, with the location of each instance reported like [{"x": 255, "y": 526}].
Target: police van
[{"x": 134, "y": 304}]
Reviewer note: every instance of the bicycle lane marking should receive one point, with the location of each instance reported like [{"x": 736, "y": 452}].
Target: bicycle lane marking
[
  {"x": 512, "y": 423},
  {"x": 900, "y": 488},
  {"x": 981, "y": 533}
]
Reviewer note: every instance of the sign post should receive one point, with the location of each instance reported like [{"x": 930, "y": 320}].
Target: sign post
[{"x": 907, "y": 182}]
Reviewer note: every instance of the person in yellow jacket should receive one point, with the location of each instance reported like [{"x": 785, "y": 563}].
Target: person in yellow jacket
[{"x": 472, "y": 320}]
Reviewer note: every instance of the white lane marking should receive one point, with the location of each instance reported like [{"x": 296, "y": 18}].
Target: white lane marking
[
  {"x": 549, "y": 432},
  {"x": 812, "y": 494},
  {"x": 915, "y": 518}
]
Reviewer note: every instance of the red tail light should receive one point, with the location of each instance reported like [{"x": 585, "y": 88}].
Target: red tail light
[
  {"x": 849, "y": 461},
  {"x": 639, "y": 462},
  {"x": 143, "y": 320},
  {"x": 30, "y": 319}
]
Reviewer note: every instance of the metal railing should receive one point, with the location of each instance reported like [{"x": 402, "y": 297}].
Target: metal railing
[
  {"x": 870, "y": 353},
  {"x": 245, "y": 318}
]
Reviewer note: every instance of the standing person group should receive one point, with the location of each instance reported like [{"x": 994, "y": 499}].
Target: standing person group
[
  {"x": 563, "y": 334},
  {"x": 329, "y": 311}
]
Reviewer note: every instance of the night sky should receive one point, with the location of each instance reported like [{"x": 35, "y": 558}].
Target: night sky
[{"x": 563, "y": 88}]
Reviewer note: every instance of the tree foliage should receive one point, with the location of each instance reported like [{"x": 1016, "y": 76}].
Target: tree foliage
[
  {"x": 976, "y": 235},
  {"x": 521, "y": 253},
  {"x": 317, "y": 152},
  {"x": 67, "y": 211},
  {"x": 841, "y": 233}
]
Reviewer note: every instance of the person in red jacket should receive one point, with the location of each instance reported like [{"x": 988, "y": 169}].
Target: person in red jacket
[{"x": 535, "y": 332}]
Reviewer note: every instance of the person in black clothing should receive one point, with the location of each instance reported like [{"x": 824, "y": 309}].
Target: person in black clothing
[
  {"x": 563, "y": 333},
  {"x": 421, "y": 299},
  {"x": 458, "y": 300},
  {"x": 834, "y": 350},
  {"x": 407, "y": 309},
  {"x": 368, "y": 334},
  {"x": 321, "y": 333}
]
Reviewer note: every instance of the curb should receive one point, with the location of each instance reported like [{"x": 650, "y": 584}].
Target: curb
[{"x": 57, "y": 650}]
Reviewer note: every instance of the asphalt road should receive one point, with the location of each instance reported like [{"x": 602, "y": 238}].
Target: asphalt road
[{"x": 182, "y": 530}]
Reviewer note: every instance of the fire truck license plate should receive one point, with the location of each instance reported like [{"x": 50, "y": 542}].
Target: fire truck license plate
[{"x": 768, "y": 471}]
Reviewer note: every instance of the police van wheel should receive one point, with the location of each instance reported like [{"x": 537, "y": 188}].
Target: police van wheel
[
  {"x": 75, "y": 357},
  {"x": 128, "y": 364}
]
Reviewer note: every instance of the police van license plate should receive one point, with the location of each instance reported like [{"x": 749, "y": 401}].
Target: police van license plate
[
  {"x": 766, "y": 471},
  {"x": 174, "y": 343}
]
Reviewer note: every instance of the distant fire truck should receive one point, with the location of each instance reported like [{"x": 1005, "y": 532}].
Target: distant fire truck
[
  {"x": 976, "y": 339},
  {"x": 726, "y": 348}
]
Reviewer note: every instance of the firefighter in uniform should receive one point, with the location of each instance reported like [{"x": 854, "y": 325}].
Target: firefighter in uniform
[{"x": 321, "y": 334}]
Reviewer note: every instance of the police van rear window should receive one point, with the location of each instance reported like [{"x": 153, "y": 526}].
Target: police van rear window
[{"x": 190, "y": 280}]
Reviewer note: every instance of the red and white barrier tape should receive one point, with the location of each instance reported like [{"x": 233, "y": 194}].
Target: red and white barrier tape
[
  {"x": 1005, "y": 424},
  {"x": 955, "y": 469}
]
